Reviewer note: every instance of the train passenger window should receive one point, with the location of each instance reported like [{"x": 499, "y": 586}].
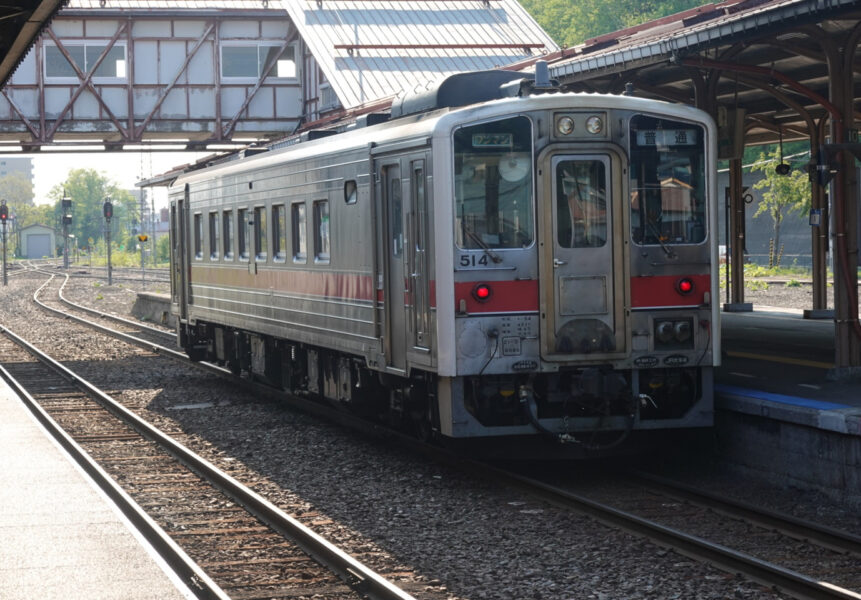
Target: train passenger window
[
  {"x": 321, "y": 231},
  {"x": 228, "y": 235},
  {"x": 213, "y": 236},
  {"x": 351, "y": 192},
  {"x": 581, "y": 204},
  {"x": 242, "y": 233},
  {"x": 396, "y": 214},
  {"x": 260, "y": 243},
  {"x": 300, "y": 247},
  {"x": 493, "y": 184},
  {"x": 279, "y": 232},
  {"x": 198, "y": 236},
  {"x": 668, "y": 182}
]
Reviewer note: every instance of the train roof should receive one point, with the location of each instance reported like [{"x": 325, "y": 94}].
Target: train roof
[{"x": 434, "y": 111}]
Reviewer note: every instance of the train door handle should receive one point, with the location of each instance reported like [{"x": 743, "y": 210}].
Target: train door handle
[{"x": 558, "y": 263}]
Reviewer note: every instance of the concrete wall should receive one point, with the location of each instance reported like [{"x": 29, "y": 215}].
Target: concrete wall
[
  {"x": 154, "y": 308},
  {"x": 793, "y": 446}
]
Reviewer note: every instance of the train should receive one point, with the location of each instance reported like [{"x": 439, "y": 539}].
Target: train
[{"x": 493, "y": 261}]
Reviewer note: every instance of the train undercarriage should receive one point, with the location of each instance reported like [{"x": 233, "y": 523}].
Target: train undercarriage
[{"x": 593, "y": 408}]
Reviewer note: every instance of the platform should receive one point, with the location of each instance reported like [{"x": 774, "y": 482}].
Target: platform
[
  {"x": 779, "y": 409},
  {"x": 60, "y": 537}
]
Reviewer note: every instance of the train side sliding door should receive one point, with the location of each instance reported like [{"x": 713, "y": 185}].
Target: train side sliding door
[
  {"x": 394, "y": 268},
  {"x": 181, "y": 273},
  {"x": 401, "y": 173}
]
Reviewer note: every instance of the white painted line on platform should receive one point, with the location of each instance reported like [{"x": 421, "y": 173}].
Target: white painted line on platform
[
  {"x": 748, "y": 375},
  {"x": 810, "y": 385}
]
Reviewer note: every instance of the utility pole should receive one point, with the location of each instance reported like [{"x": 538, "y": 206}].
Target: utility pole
[{"x": 108, "y": 211}]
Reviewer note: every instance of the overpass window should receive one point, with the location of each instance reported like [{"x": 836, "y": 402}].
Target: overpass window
[
  {"x": 243, "y": 60},
  {"x": 85, "y": 55}
]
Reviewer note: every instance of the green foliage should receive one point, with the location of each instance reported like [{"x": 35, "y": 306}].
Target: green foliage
[
  {"x": 782, "y": 195},
  {"x": 162, "y": 249},
  {"x": 756, "y": 284},
  {"x": 571, "y": 22},
  {"x": 88, "y": 189},
  {"x": 753, "y": 270},
  {"x": 16, "y": 190},
  {"x": 793, "y": 283}
]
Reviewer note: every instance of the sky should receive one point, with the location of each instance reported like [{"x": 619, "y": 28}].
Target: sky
[{"x": 123, "y": 168}]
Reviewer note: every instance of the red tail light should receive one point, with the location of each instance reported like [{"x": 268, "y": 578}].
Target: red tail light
[
  {"x": 685, "y": 286},
  {"x": 482, "y": 292}
]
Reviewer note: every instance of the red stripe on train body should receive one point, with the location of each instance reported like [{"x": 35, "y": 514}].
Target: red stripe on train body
[{"x": 663, "y": 290}]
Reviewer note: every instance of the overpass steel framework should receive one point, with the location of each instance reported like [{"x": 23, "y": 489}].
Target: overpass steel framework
[{"x": 174, "y": 84}]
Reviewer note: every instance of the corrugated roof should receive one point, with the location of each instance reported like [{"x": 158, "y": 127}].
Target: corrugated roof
[
  {"x": 371, "y": 49},
  {"x": 175, "y": 5},
  {"x": 684, "y": 32}
]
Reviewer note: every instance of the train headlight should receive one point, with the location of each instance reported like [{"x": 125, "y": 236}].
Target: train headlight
[
  {"x": 565, "y": 125},
  {"x": 594, "y": 125},
  {"x": 682, "y": 331},
  {"x": 664, "y": 332}
]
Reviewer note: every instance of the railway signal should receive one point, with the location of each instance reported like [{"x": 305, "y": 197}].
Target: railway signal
[
  {"x": 108, "y": 211},
  {"x": 66, "y": 205},
  {"x": 4, "y": 217}
]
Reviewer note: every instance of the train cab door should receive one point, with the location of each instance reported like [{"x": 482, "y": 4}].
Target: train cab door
[
  {"x": 396, "y": 285},
  {"x": 582, "y": 283}
]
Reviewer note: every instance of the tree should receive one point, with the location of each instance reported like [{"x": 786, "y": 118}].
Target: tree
[
  {"x": 571, "y": 22},
  {"x": 88, "y": 189},
  {"x": 782, "y": 195},
  {"x": 16, "y": 189}
]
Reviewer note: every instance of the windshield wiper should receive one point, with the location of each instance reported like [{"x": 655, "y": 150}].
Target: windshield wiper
[
  {"x": 475, "y": 238},
  {"x": 667, "y": 250}
]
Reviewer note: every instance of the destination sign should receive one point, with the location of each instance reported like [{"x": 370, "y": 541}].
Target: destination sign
[{"x": 666, "y": 137}]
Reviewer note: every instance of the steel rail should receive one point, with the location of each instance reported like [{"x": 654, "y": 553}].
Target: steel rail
[
  {"x": 114, "y": 318},
  {"x": 793, "y": 583},
  {"x": 354, "y": 573},
  {"x": 789, "y": 525},
  {"x": 153, "y": 347},
  {"x": 188, "y": 571}
]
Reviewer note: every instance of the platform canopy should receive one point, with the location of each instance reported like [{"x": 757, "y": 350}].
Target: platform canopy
[{"x": 20, "y": 24}]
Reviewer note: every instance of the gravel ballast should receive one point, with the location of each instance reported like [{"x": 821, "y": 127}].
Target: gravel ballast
[{"x": 450, "y": 535}]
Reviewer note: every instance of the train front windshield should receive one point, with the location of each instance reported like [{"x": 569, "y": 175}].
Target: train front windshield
[
  {"x": 668, "y": 183},
  {"x": 493, "y": 184}
]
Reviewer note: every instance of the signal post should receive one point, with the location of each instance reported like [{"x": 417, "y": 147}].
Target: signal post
[
  {"x": 4, "y": 216},
  {"x": 108, "y": 211}
]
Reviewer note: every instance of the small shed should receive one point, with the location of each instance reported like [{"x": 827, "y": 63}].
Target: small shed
[{"x": 38, "y": 241}]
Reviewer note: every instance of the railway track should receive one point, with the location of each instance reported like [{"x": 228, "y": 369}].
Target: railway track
[
  {"x": 801, "y": 559},
  {"x": 223, "y": 539}
]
